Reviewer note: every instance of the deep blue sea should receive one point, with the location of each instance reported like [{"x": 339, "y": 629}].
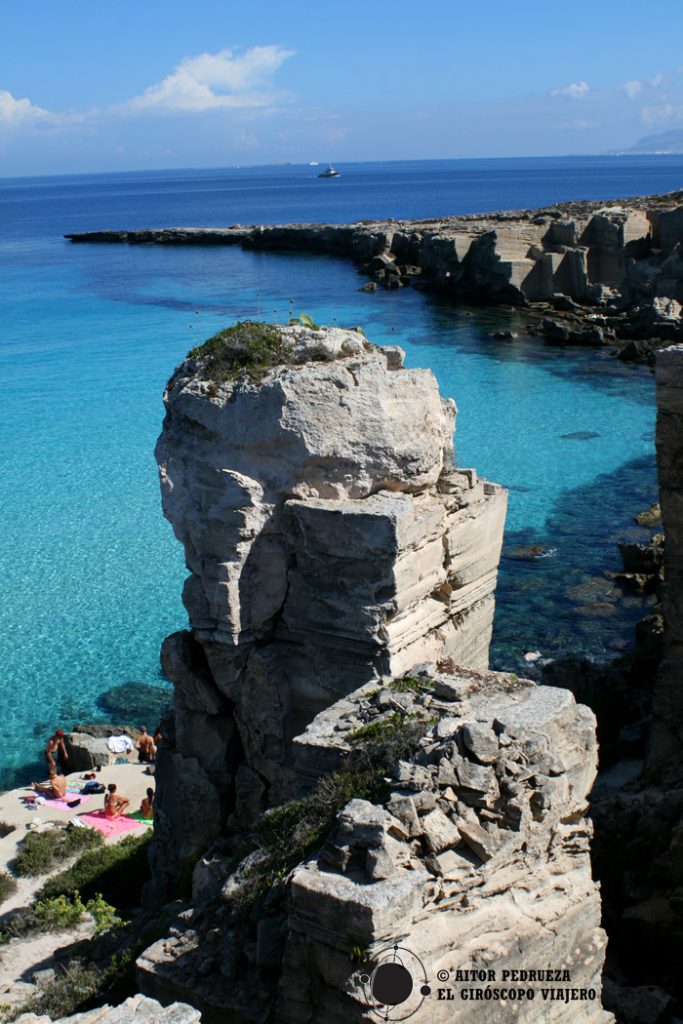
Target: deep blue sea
[{"x": 91, "y": 574}]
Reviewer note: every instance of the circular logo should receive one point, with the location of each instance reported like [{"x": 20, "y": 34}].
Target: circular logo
[
  {"x": 391, "y": 984},
  {"x": 397, "y": 986}
]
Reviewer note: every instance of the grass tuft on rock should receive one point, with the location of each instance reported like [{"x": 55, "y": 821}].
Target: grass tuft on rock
[
  {"x": 411, "y": 684},
  {"x": 41, "y": 851},
  {"x": 249, "y": 350}
]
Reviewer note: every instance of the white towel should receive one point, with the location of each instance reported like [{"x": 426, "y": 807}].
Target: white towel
[{"x": 120, "y": 744}]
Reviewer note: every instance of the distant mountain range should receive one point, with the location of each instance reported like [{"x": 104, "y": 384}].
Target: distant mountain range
[{"x": 664, "y": 142}]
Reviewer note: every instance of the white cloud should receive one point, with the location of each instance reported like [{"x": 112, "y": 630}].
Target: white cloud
[
  {"x": 214, "y": 80},
  {"x": 14, "y": 111},
  {"x": 577, "y": 90},
  {"x": 657, "y": 80},
  {"x": 632, "y": 88},
  {"x": 660, "y": 113}
]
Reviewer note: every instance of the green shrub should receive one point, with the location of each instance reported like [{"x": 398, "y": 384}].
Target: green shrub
[
  {"x": 59, "y": 913},
  {"x": 41, "y": 851},
  {"x": 56, "y": 914},
  {"x": 249, "y": 348},
  {"x": 66, "y": 994},
  {"x": 8, "y": 886},
  {"x": 116, "y": 872},
  {"x": 102, "y": 913}
]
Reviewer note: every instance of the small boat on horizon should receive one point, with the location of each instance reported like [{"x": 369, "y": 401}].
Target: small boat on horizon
[{"x": 329, "y": 172}]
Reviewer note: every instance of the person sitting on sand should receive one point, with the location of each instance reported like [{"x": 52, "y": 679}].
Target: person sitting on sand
[
  {"x": 114, "y": 805},
  {"x": 145, "y": 746},
  {"x": 54, "y": 789},
  {"x": 55, "y": 745},
  {"x": 147, "y": 805}
]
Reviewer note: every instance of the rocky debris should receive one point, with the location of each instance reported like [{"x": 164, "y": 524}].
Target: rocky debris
[
  {"x": 135, "y": 1010},
  {"x": 503, "y": 883},
  {"x": 573, "y": 332},
  {"x": 622, "y": 256},
  {"x": 650, "y": 516},
  {"x": 330, "y": 542},
  {"x": 643, "y": 558}
]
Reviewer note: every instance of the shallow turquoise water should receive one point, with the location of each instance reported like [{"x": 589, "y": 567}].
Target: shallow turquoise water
[{"x": 90, "y": 570}]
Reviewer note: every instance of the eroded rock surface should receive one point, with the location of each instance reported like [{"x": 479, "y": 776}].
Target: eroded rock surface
[
  {"x": 330, "y": 542},
  {"x": 475, "y": 858}
]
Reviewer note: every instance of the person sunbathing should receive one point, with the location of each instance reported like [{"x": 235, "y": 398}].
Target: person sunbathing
[
  {"x": 147, "y": 805},
  {"x": 54, "y": 789},
  {"x": 114, "y": 805}
]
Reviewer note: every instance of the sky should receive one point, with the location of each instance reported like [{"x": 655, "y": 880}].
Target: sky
[{"x": 134, "y": 84}]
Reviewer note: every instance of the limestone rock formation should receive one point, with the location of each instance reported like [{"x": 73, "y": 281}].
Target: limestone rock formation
[
  {"x": 476, "y": 858},
  {"x": 330, "y": 542},
  {"x": 342, "y": 770}
]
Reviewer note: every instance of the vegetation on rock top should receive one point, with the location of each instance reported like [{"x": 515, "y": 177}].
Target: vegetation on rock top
[{"x": 248, "y": 349}]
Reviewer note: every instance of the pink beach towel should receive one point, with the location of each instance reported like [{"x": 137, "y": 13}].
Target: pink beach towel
[
  {"x": 50, "y": 804},
  {"x": 109, "y": 826},
  {"x": 63, "y": 805}
]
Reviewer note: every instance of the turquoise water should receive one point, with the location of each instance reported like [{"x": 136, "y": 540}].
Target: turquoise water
[{"x": 91, "y": 572}]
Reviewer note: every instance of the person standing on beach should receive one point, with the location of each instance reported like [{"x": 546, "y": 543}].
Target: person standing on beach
[
  {"x": 145, "y": 746},
  {"x": 55, "y": 745}
]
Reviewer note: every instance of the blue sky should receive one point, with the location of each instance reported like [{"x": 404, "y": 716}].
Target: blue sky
[{"x": 132, "y": 84}]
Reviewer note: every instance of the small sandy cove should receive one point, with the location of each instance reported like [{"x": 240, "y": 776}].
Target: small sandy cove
[{"x": 21, "y": 958}]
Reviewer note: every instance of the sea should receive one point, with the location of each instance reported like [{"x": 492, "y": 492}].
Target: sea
[{"x": 90, "y": 572}]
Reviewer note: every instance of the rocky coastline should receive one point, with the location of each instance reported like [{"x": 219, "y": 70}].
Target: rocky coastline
[
  {"x": 586, "y": 273},
  {"x": 342, "y": 775}
]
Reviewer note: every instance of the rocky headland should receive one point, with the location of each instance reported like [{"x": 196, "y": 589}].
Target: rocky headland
[{"x": 588, "y": 273}]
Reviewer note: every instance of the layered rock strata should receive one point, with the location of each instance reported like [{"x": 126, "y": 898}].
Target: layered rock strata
[
  {"x": 330, "y": 542},
  {"x": 475, "y": 860},
  {"x": 606, "y": 271}
]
